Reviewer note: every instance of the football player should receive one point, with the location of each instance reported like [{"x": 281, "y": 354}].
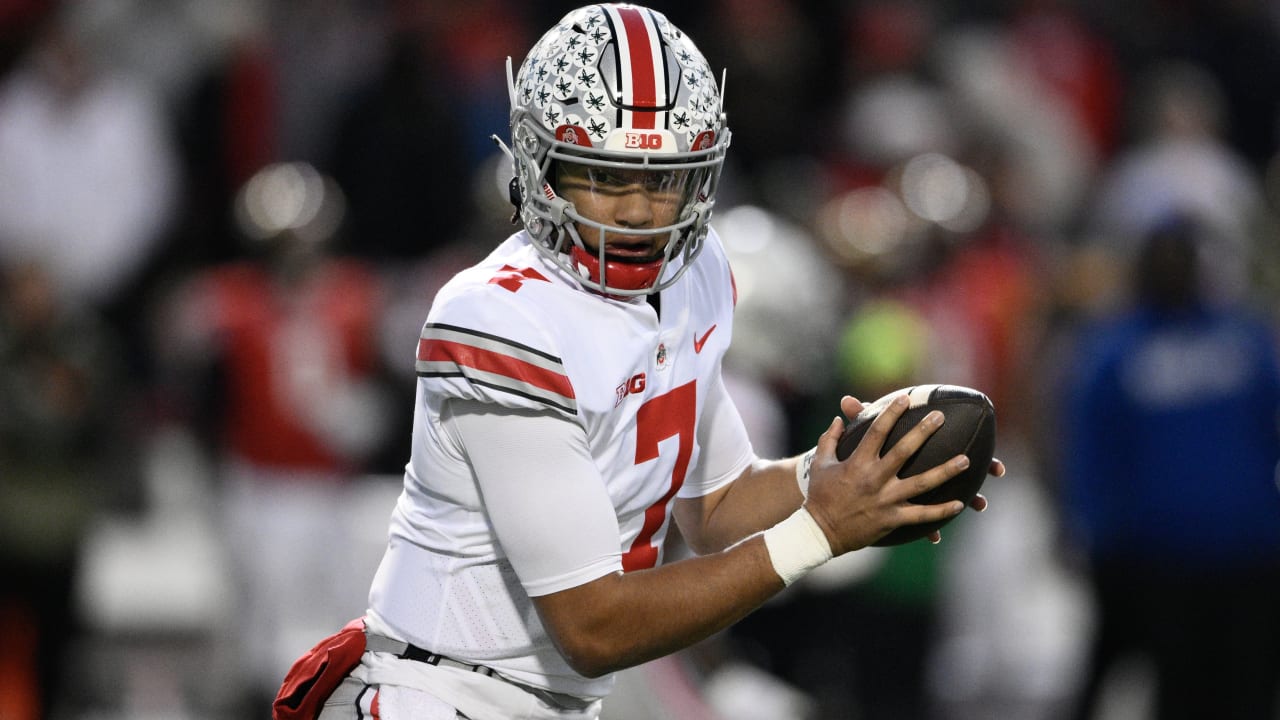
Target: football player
[{"x": 570, "y": 408}]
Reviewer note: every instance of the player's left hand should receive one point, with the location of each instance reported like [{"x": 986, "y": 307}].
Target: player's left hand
[{"x": 851, "y": 406}]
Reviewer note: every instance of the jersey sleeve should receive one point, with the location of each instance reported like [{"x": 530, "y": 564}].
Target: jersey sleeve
[{"x": 480, "y": 344}]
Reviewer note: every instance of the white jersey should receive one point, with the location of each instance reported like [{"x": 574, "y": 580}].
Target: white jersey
[{"x": 518, "y": 332}]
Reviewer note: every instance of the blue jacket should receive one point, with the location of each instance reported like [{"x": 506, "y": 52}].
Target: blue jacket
[{"x": 1171, "y": 440}]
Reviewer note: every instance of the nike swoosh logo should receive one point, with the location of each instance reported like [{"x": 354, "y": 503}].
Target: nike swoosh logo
[{"x": 699, "y": 342}]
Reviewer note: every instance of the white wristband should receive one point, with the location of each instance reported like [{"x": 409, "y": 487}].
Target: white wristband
[
  {"x": 796, "y": 546},
  {"x": 802, "y": 470}
]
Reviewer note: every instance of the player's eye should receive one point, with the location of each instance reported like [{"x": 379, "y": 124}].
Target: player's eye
[
  {"x": 659, "y": 182},
  {"x": 663, "y": 184},
  {"x": 608, "y": 178},
  {"x": 669, "y": 183}
]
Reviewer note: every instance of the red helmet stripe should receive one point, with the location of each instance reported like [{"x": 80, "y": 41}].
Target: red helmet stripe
[{"x": 641, "y": 50}]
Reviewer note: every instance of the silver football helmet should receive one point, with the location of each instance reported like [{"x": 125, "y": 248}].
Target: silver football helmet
[{"x": 616, "y": 95}]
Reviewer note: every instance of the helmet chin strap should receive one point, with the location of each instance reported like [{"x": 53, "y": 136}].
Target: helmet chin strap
[{"x": 621, "y": 275}]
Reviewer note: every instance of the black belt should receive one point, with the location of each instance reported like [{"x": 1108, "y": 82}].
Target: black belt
[
  {"x": 413, "y": 652},
  {"x": 409, "y": 651}
]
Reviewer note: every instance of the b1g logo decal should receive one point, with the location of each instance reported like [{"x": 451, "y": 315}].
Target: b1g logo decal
[
  {"x": 633, "y": 385},
  {"x": 643, "y": 141}
]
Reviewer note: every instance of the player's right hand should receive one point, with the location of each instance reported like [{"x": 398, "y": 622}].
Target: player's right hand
[{"x": 854, "y": 501}]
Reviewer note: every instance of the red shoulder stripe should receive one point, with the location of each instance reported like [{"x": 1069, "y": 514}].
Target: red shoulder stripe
[{"x": 470, "y": 356}]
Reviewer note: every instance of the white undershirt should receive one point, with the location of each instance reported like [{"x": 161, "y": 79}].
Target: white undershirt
[{"x": 542, "y": 493}]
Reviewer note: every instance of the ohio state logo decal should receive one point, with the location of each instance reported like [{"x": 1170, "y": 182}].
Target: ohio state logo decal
[{"x": 573, "y": 135}]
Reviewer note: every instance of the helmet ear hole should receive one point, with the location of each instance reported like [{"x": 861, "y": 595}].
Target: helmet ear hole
[
  {"x": 513, "y": 194},
  {"x": 552, "y": 177}
]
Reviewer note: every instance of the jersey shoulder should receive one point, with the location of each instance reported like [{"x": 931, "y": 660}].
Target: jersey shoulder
[{"x": 486, "y": 337}]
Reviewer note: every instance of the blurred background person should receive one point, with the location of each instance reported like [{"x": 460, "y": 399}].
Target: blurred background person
[
  {"x": 1169, "y": 491},
  {"x": 64, "y": 458},
  {"x": 88, "y": 171},
  {"x": 1180, "y": 162},
  {"x": 871, "y": 617},
  {"x": 273, "y": 361}
]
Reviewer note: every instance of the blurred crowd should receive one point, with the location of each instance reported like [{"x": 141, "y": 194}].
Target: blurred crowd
[{"x": 222, "y": 223}]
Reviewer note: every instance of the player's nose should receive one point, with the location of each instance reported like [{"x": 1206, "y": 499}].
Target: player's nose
[{"x": 634, "y": 209}]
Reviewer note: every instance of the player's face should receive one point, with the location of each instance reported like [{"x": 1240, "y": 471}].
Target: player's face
[{"x": 624, "y": 198}]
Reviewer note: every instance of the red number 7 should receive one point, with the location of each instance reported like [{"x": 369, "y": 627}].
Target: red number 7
[{"x": 669, "y": 415}]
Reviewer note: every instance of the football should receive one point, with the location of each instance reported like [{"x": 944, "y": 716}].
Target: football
[{"x": 969, "y": 429}]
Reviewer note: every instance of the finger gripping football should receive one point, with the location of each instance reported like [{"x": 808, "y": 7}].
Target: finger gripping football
[{"x": 969, "y": 429}]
